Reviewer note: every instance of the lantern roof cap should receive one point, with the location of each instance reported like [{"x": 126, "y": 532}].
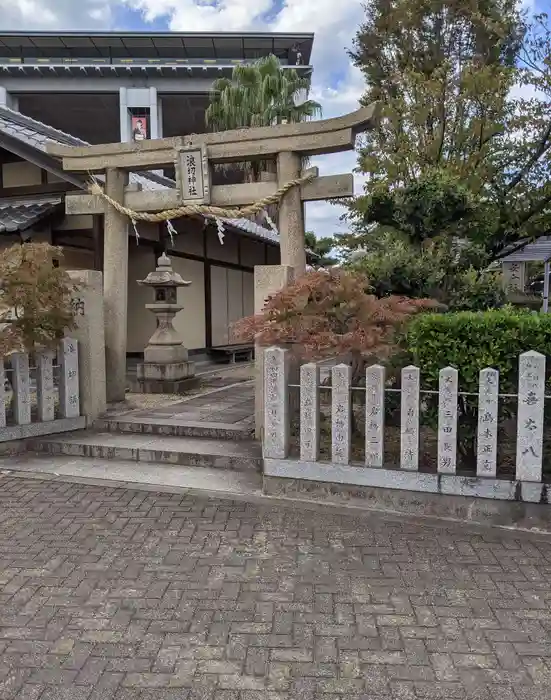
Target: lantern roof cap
[{"x": 164, "y": 275}]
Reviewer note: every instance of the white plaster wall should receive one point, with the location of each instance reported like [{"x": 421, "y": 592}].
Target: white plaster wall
[
  {"x": 20, "y": 174},
  {"x": 190, "y": 322},
  {"x": 219, "y": 300},
  {"x": 235, "y": 296},
  {"x": 232, "y": 293},
  {"x": 248, "y": 294},
  {"x": 141, "y": 322}
]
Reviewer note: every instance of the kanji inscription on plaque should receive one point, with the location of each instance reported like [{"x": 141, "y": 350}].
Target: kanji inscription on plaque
[{"x": 192, "y": 172}]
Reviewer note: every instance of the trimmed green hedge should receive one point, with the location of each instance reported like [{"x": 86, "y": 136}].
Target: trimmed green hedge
[{"x": 471, "y": 341}]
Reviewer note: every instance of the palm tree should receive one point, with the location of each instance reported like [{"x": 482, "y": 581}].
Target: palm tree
[{"x": 261, "y": 94}]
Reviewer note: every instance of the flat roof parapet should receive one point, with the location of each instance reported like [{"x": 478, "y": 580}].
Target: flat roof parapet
[{"x": 215, "y": 45}]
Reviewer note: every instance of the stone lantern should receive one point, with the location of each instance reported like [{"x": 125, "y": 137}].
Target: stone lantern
[{"x": 166, "y": 368}]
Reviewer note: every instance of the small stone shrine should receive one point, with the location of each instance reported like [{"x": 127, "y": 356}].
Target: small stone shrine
[{"x": 166, "y": 368}]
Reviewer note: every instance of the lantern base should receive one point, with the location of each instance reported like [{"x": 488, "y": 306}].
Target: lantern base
[
  {"x": 159, "y": 386},
  {"x": 166, "y": 355},
  {"x": 169, "y": 371},
  {"x": 165, "y": 378}
]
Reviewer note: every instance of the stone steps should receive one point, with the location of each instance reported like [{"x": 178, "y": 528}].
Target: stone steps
[
  {"x": 136, "y": 447},
  {"x": 115, "y": 472},
  {"x": 174, "y": 428}
]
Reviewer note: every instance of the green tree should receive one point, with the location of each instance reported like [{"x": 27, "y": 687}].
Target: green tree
[
  {"x": 439, "y": 270},
  {"x": 261, "y": 94},
  {"x": 458, "y": 151},
  {"x": 436, "y": 204},
  {"x": 321, "y": 248}
]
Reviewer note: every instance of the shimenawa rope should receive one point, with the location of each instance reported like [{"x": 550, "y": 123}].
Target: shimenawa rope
[{"x": 202, "y": 209}]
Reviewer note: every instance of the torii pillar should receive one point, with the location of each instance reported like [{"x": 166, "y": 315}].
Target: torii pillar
[
  {"x": 291, "y": 215},
  {"x": 115, "y": 286}
]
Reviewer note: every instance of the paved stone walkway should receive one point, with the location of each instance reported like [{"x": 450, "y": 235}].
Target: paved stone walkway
[
  {"x": 226, "y": 405},
  {"x": 112, "y": 593}
]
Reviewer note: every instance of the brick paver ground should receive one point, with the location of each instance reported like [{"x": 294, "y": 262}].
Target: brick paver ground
[{"x": 114, "y": 593}]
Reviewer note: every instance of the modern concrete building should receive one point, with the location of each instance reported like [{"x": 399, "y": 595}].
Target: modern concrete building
[
  {"x": 96, "y": 86},
  {"x": 77, "y": 89}
]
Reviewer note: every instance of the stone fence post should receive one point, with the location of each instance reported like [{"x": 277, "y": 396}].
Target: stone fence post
[
  {"x": 268, "y": 279},
  {"x": 90, "y": 333}
]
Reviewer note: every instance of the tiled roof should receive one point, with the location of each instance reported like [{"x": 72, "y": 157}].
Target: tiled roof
[
  {"x": 37, "y": 135},
  {"x": 18, "y": 215},
  {"x": 254, "y": 229},
  {"x": 533, "y": 251}
]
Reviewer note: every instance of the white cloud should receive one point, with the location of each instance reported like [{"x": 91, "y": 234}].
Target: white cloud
[
  {"x": 49, "y": 15},
  {"x": 336, "y": 83}
]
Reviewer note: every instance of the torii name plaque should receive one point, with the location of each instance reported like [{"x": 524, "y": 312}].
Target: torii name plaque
[{"x": 193, "y": 174}]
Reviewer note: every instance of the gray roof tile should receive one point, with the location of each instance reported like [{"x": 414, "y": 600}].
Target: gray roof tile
[
  {"x": 533, "y": 251},
  {"x": 254, "y": 229},
  {"x": 18, "y": 215}
]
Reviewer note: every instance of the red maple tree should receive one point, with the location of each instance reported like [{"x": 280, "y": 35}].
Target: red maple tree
[{"x": 330, "y": 313}]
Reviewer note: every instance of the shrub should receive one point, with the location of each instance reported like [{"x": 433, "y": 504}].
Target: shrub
[
  {"x": 35, "y": 298},
  {"x": 329, "y": 313},
  {"x": 470, "y": 342},
  {"x": 438, "y": 270}
]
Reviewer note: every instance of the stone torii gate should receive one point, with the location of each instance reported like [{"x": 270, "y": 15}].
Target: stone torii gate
[{"x": 193, "y": 157}]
